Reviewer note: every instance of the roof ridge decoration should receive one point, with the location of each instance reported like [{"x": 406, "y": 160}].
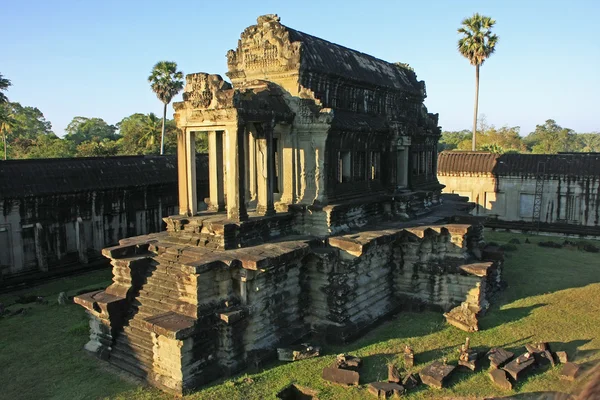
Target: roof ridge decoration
[{"x": 265, "y": 46}]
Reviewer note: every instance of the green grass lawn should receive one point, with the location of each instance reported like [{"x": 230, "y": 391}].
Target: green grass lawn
[{"x": 553, "y": 295}]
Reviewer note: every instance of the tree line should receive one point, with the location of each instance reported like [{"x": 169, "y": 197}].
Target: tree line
[
  {"x": 27, "y": 134},
  {"x": 547, "y": 138}
]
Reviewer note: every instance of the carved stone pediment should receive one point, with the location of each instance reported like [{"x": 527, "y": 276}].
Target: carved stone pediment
[
  {"x": 207, "y": 91},
  {"x": 264, "y": 47}
]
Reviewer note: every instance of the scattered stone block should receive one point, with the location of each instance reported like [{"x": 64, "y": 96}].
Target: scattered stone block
[
  {"x": 541, "y": 353},
  {"x": 500, "y": 379},
  {"x": 383, "y": 390},
  {"x": 62, "y": 299},
  {"x": 341, "y": 376},
  {"x": 498, "y": 357},
  {"x": 411, "y": 381},
  {"x": 346, "y": 361},
  {"x": 562, "y": 357},
  {"x": 436, "y": 373},
  {"x": 393, "y": 374},
  {"x": 409, "y": 357},
  {"x": 468, "y": 357},
  {"x": 570, "y": 371},
  {"x": 299, "y": 352},
  {"x": 463, "y": 318},
  {"x": 518, "y": 367}
]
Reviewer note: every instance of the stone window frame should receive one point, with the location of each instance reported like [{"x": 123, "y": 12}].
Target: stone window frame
[
  {"x": 375, "y": 166},
  {"x": 5, "y": 229},
  {"x": 344, "y": 165},
  {"x": 359, "y": 166}
]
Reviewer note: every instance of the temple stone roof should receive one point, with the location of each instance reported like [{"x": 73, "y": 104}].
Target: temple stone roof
[
  {"x": 473, "y": 163},
  {"x": 325, "y": 57},
  {"x": 39, "y": 177}
]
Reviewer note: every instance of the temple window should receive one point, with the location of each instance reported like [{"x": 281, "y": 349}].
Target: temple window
[
  {"x": 415, "y": 163},
  {"x": 375, "y": 165},
  {"x": 344, "y": 166},
  {"x": 360, "y": 166}
]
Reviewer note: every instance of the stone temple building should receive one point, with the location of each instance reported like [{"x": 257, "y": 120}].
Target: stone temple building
[
  {"x": 324, "y": 216},
  {"x": 504, "y": 188}
]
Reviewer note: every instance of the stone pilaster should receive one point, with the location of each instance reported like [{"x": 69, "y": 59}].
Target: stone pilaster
[
  {"x": 236, "y": 166},
  {"x": 215, "y": 167},
  {"x": 266, "y": 172}
]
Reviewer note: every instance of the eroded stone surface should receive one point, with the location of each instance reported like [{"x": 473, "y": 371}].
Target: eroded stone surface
[
  {"x": 436, "y": 373},
  {"x": 341, "y": 376},
  {"x": 498, "y": 357},
  {"x": 500, "y": 379},
  {"x": 384, "y": 390},
  {"x": 570, "y": 371},
  {"x": 519, "y": 367}
]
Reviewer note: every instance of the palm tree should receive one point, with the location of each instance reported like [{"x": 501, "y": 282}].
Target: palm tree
[
  {"x": 6, "y": 123},
  {"x": 4, "y": 84},
  {"x": 477, "y": 44},
  {"x": 166, "y": 82},
  {"x": 150, "y": 130},
  {"x": 6, "y": 119}
]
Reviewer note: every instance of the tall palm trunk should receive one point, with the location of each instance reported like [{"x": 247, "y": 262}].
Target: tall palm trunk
[
  {"x": 4, "y": 138},
  {"x": 476, "y": 107},
  {"x": 162, "y": 136}
]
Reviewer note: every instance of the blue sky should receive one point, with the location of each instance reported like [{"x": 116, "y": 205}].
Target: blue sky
[{"x": 92, "y": 57}]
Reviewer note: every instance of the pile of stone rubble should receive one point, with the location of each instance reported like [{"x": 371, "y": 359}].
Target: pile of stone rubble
[{"x": 504, "y": 368}]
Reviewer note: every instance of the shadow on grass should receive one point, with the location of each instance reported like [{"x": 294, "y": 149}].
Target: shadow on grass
[{"x": 496, "y": 317}]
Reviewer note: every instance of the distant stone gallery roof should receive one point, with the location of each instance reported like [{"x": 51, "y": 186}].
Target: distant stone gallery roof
[
  {"x": 476, "y": 163},
  {"x": 39, "y": 177}
]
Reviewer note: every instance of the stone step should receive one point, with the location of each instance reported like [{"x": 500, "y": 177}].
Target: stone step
[
  {"x": 134, "y": 347},
  {"x": 129, "y": 364}
]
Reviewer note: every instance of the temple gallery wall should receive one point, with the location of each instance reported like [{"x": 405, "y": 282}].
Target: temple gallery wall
[{"x": 325, "y": 215}]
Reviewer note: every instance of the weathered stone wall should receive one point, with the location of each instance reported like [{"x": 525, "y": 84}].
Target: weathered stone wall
[{"x": 39, "y": 233}]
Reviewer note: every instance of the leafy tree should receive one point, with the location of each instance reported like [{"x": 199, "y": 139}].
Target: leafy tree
[
  {"x": 83, "y": 129},
  {"x": 166, "y": 82},
  {"x": 104, "y": 148},
  {"x": 451, "y": 140},
  {"x": 477, "y": 44},
  {"x": 50, "y": 146},
  {"x": 29, "y": 122},
  {"x": 141, "y": 133},
  {"x": 587, "y": 142},
  {"x": 550, "y": 138}
]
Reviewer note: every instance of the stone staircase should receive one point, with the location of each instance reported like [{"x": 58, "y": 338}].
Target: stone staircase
[{"x": 161, "y": 294}]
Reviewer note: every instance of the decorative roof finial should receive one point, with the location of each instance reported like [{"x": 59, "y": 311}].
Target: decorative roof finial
[{"x": 263, "y": 19}]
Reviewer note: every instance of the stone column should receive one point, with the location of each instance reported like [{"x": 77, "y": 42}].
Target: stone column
[
  {"x": 40, "y": 253},
  {"x": 236, "y": 176},
  {"x": 191, "y": 173},
  {"x": 266, "y": 172},
  {"x": 215, "y": 168},
  {"x": 182, "y": 172},
  {"x": 81, "y": 244}
]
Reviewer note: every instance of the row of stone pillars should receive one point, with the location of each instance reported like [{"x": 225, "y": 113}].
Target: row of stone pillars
[{"x": 228, "y": 157}]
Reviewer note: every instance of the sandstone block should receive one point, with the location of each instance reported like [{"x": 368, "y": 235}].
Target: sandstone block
[
  {"x": 393, "y": 374},
  {"x": 570, "y": 371},
  {"x": 500, "y": 379},
  {"x": 383, "y": 390},
  {"x": 562, "y": 357},
  {"x": 299, "y": 352},
  {"x": 436, "y": 373},
  {"x": 498, "y": 357},
  {"x": 411, "y": 381},
  {"x": 518, "y": 367},
  {"x": 341, "y": 376}
]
